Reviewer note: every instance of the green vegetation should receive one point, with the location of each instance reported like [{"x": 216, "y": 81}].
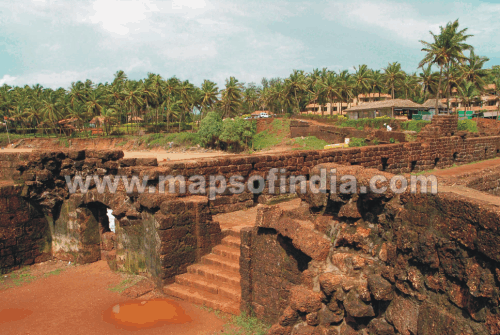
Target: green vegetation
[
  {"x": 231, "y": 134},
  {"x": 54, "y": 273},
  {"x": 469, "y": 125},
  {"x": 376, "y": 123},
  {"x": 21, "y": 278},
  {"x": 414, "y": 125},
  {"x": 242, "y": 324},
  {"x": 163, "y": 140},
  {"x": 308, "y": 143},
  {"x": 125, "y": 283},
  {"x": 357, "y": 142},
  {"x": 275, "y": 135}
]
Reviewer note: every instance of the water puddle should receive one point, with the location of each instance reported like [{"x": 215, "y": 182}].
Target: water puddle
[
  {"x": 135, "y": 315},
  {"x": 13, "y": 314}
]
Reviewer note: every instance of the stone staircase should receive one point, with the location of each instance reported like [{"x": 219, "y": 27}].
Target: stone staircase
[{"x": 215, "y": 281}]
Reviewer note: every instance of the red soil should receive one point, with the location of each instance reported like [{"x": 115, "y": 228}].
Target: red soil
[
  {"x": 75, "y": 302},
  {"x": 467, "y": 168}
]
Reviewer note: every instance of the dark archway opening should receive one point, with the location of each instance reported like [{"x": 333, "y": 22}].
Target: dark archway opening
[
  {"x": 101, "y": 232},
  {"x": 455, "y": 156},
  {"x": 436, "y": 161},
  {"x": 384, "y": 163},
  {"x": 413, "y": 165}
]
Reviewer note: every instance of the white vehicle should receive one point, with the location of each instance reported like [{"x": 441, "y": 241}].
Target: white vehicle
[{"x": 263, "y": 115}]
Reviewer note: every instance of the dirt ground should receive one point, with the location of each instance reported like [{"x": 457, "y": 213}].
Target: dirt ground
[
  {"x": 467, "y": 168},
  {"x": 74, "y": 299},
  {"x": 159, "y": 155}
]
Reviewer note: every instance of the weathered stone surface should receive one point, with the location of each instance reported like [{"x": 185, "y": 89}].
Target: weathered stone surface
[
  {"x": 380, "y": 288},
  {"x": 328, "y": 317},
  {"x": 305, "y": 300},
  {"x": 329, "y": 282},
  {"x": 280, "y": 330},
  {"x": 289, "y": 317},
  {"x": 380, "y": 327},
  {"x": 434, "y": 320},
  {"x": 403, "y": 315},
  {"x": 357, "y": 308}
]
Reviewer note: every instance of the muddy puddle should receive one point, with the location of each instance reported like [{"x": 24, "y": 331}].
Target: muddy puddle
[
  {"x": 136, "y": 314},
  {"x": 13, "y": 314}
]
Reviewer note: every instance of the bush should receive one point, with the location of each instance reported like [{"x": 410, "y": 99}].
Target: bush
[
  {"x": 357, "y": 142},
  {"x": 210, "y": 130},
  {"x": 468, "y": 125},
  {"x": 414, "y": 125},
  {"x": 237, "y": 134}
]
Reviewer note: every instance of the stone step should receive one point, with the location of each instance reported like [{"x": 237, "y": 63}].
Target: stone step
[
  {"x": 204, "y": 298},
  {"x": 215, "y": 273},
  {"x": 231, "y": 241},
  {"x": 227, "y": 252},
  {"x": 225, "y": 290},
  {"x": 221, "y": 262}
]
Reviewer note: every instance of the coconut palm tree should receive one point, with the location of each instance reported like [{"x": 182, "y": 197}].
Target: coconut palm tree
[
  {"x": 345, "y": 87},
  {"x": 231, "y": 96},
  {"x": 446, "y": 48},
  {"x": 469, "y": 93},
  {"x": 296, "y": 86},
  {"x": 472, "y": 70},
  {"x": 362, "y": 79},
  {"x": 209, "y": 96},
  {"x": 329, "y": 87},
  {"x": 428, "y": 79},
  {"x": 392, "y": 76}
]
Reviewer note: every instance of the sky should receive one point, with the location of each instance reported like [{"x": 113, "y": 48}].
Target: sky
[{"x": 54, "y": 43}]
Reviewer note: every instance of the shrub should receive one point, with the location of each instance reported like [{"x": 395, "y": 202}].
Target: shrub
[
  {"x": 357, "y": 142},
  {"x": 237, "y": 133},
  {"x": 210, "y": 130},
  {"x": 414, "y": 125},
  {"x": 468, "y": 125}
]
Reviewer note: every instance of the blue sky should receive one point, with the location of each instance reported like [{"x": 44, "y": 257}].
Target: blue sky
[{"x": 56, "y": 42}]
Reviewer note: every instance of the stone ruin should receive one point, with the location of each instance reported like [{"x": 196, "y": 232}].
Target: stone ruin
[{"x": 333, "y": 264}]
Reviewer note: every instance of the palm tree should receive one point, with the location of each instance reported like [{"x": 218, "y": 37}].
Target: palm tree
[
  {"x": 209, "y": 95},
  {"x": 473, "y": 70},
  {"x": 329, "y": 87},
  {"x": 428, "y": 79},
  {"x": 468, "y": 93},
  {"x": 345, "y": 87},
  {"x": 186, "y": 95},
  {"x": 362, "y": 79},
  {"x": 392, "y": 76},
  {"x": 297, "y": 85},
  {"x": 446, "y": 48},
  {"x": 132, "y": 98},
  {"x": 231, "y": 96}
]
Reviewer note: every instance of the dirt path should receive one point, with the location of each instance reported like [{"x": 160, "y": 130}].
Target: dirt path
[
  {"x": 467, "y": 168},
  {"x": 160, "y": 156},
  {"x": 73, "y": 302}
]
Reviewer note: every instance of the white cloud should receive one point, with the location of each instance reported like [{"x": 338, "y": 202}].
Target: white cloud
[
  {"x": 63, "y": 79},
  {"x": 115, "y": 15},
  {"x": 6, "y": 79},
  {"x": 395, "y": 18}
]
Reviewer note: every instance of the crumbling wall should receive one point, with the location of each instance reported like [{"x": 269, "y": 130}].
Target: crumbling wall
[
  {"x": 24, "y": 231},
  {"x": 8, "y": 163},
  {"x": 441, "y": 126},
  {"x": 382, "y": 264}
]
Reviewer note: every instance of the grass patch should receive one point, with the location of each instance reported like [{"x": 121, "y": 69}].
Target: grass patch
[
  {"x": 245, "y": 325},
  {"x": 125, "y": 284},
  {"x": 121, "y": 144},
  {"x": 308, "y": 143},
  {"x": 21, "y": 278},
  {"x": 54, "y": 272},
  {"x": 279, "y": 129},
  {"x": 414, "y": 125},
  {"x": 162, "y": 140},
  {"x": 468, "y": 125}
]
